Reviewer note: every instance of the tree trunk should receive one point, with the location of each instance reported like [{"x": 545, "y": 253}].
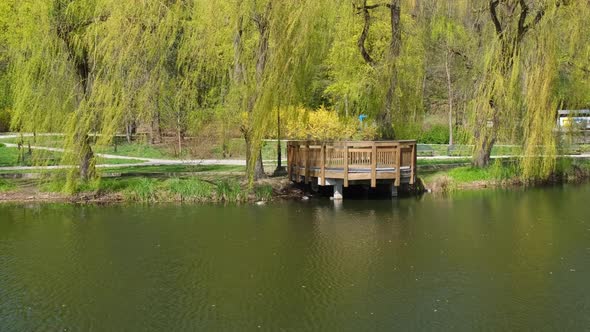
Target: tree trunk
[
  {"x": 483, "y": 152},
  {"x": 450, "y": 95},
  {"x": 279, "y": 157},
  {"x": 259, "y": 167},
  {"x": 129, "y": 132},
  {"x": 156, "y": 129},
  {"x": 179, "y": 131},
  {"x": 87, "y": 162},
  {"x": 386, "y": 120},
  {"x": 253, "y": 163}
]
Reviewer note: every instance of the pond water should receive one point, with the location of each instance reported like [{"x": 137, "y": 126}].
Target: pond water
[{"x": 487, "y": 260}]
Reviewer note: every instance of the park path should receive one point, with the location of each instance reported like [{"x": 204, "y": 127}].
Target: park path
[{"x": 188, "y": 162}]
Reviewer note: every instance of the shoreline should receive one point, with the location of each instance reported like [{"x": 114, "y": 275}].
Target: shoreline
[{"x": 282, "y": 190}]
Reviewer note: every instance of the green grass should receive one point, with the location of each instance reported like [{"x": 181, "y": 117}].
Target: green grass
[
  {"x": 499, "y": 170},
  {"x": 191, "y": 189},
  {"x": 229, "y": 190},
  {"x": 48, "y": 141},
  {"x": 141, "y": 150},
  {"x": 430, "y": 162},
  {"x": 146, "y": 190},
  {"x": 10, "y": 157},
  {"x": 6, "y": 185},
  {"x": 175, "y": 169},
  {"x": 263, "y": 192}
]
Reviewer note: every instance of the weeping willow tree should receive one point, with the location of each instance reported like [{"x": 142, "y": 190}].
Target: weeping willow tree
[
  {"x": 38, "y": 100},
  {"x": 377, "y": 63},
  {"x": 5, "y": 98},
  {"x": 204, "y": 65},
  {"x": 275, "y": 44},
  {"x": 49, "y": 73},
  {"x": 135, "y": 61},
  {"x": 516, "y": 99}
]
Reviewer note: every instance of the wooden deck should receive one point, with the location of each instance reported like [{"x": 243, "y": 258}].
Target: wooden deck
[{"x": 370, "y": 162}]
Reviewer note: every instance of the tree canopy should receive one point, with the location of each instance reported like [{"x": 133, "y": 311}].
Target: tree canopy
[{"x": 491, "y": 70}]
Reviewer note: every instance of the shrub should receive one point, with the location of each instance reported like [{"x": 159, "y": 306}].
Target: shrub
[
  {"x": 325, "y": 124},
  {"x": 437, "y": 134}
]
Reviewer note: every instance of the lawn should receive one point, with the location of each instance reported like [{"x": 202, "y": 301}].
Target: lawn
[{"x": 9, "y": 157}]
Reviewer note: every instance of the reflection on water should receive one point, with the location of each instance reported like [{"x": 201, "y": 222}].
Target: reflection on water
[{"x": 492, "y": 260}]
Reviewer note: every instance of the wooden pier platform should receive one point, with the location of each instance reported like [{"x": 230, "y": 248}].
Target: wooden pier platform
[{"x": 343, "y": 163}]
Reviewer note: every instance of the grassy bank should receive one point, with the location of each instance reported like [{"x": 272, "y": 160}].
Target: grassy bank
[
  {"x": 143, "y": 189},
  {"x": 502, "y": 174}
]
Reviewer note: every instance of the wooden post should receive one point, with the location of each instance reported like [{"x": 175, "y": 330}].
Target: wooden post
[
  {"x": 298, "y": 162},
  {"x": 289, "y": 160},
  {"x": 346, "y": 165},
  {"x": 323, "y": 164},
  {"x": 413, "y": 163},
  {"x": 374, "y": 166},
  {"x": 307, "y": 162},
  {"x": 398, "y": 162}
]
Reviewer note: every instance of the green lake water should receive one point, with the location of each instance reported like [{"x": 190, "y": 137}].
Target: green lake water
[{"x": 487, "y": 260}]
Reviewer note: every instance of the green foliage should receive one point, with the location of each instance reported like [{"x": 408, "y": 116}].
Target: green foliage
[
  {"x": 106, "y": 66},
  {"x": 323, "y": 124},
  {"x": 191, "y": 189},
  {"x": 229, "y": 190},
  {"x": 142, "y": 190},
  {"x": 263, "y": 192},
  {"x": 435, "y": 135},
  {"x": 6, "y": 185},
  {"x": 4, "y": 120}
]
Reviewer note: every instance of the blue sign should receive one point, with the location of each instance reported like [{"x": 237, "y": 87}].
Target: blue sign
[{"x": 362, "y": 117}]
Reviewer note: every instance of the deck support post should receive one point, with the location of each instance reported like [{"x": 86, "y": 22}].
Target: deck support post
[
  {"x": 338, "y": 188},
  {"x": 393, "y": 191}
]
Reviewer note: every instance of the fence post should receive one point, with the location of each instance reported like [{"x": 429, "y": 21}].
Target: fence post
[
  {"x": 323, "y": 165},
  {"x": 345, "y": 165},
  {"x": 413, "y": 164},
  {"x": 307, "y": 162},
  {"x": 398, "y": 162},
  {"x": 374, "y": 166}
]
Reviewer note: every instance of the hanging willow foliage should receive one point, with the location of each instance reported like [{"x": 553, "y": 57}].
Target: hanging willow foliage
[
  {"x": 91, "y": 69},
  {"x": 516, "y": 99}
]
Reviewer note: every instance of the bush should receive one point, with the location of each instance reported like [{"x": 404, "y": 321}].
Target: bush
[
  {"x": 324, "y": 124},
  {"x": 438, "y": 134}
]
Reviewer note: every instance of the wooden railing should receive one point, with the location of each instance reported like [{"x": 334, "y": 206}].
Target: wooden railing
[{"x": 363, "y": 160}]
